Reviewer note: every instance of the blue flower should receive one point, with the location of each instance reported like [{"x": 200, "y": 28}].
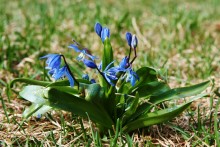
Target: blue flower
[
  {"x": 64, "y": 71},
  {"x": 122, "y": 67},
  {"x": 128, "y": 38},
  {"x": 83, "y": 52},
  {"x": 103, "y": 32},
  {"x": 110, "y": 74},
  {"x": 132, "y": 76},
  {"x": 89, "y": 63},
  {"x": 53, "y": 61},
  {"x": 134, "y": 41},
  {"x": 123, "y": 64}
]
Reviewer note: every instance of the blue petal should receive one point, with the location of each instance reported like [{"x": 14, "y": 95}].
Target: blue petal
[
  {"x": 70, "y": 78},
  {"x": 98, "y": 29},
  {"x": 75, "y": 47},
  {"x": 123, "y": 64},
  {"x": 90, "y": 56},
  {"x": 53, "y": 61},
  {"x": 105, "y": 34},
  {"x": 109, "y": 65},
  {"x": 132, "y": 77},
  {"x": 132, "y": 80},
  {"x": 59, "y": 73},
  {"x": 108, "y": 79},
  {"x": 128, "y": 38},
  {"x": 89, "y": 63}
]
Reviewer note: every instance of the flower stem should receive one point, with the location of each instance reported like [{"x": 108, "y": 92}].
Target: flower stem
[
  {"x": 101, "y": 73},
  {"x": 135, "y": 56},
  {"x": 64, "y": 59},
  {"x": 129, "y": 54}
]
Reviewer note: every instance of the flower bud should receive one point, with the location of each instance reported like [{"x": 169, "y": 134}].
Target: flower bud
[
  {"x": 105, "y": 34},
  {"x": 98, "y": 29},
  {"x": 134, "y": 41},
  {"x": 128, "y": 38}
]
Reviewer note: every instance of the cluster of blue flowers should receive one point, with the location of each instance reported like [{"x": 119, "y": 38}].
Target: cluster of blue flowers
[{"x": 110, "y": 74}]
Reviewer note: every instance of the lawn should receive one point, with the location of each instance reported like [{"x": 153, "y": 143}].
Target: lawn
[{"x": 181, "y": 38}]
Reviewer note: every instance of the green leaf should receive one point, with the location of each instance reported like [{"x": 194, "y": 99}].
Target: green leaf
[
  {"x": 159, "y": 116},
  {"x": 180, "y": 92},
  {"x": 132, "y": 108},
  {"x": 67, "y": 83},
  {"x": 170, "y": 95},
  {"x": 107, "y": 58},
  {"x": 94, "y": 93},
  {"x": 29, "y": 81},
  {"x": 155, "y": 117},
  {"x": 151, "y": 89},
  {"x": 35, "y": 94},
  {"x": 64, "y": 101}
]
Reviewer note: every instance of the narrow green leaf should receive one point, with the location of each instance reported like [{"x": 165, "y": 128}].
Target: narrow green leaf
[
  {"x": 151, "y": 89},
  {"x": 29, "y": 81},
  {"x": 170, "y": 95},
  {"x": 159, "y": 116},
  {"x": 66, "y": 89},
  {"x": 180, "y": 92},
  {"x": 66, "y": 82},
  {"x": 107, "y": 58},
  {"x": 155, "y": 117},
  {"x": 132, "y": 108}
]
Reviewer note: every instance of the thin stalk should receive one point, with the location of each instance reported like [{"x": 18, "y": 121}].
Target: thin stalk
[
  {"x": 70, "y": 70},
  {"x": 101, "y": 73},
  {"x": 135, "y": 56},
  {"x": 129, "y": 54}
]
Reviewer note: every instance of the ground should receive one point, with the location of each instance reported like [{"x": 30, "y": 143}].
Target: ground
[{"x": 182, "y": 38}]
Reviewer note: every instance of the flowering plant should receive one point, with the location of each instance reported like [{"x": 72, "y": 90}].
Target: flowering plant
[{"x": 117, "y": 94}]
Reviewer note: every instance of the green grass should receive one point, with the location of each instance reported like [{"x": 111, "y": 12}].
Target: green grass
[{"x": 179, "y": 37}]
